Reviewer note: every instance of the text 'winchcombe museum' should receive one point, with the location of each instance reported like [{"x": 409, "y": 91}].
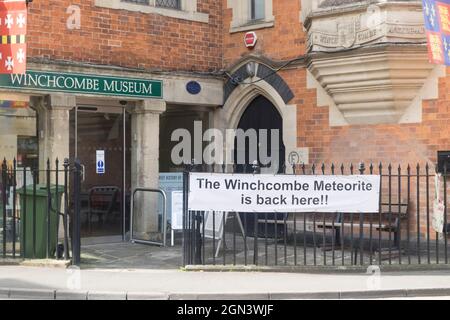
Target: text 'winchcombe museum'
[{"x": 125, "y": 103}]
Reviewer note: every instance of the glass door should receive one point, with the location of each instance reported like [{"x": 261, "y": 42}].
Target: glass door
[{"x": 101, "y": 141}]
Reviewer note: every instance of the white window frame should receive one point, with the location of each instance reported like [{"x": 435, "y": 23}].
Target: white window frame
[
  {"x": 242, "y": 21},
  {"x": 188, "y": 9}
]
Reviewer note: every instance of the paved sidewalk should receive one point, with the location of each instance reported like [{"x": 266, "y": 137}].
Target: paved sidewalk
[{"x": 174, "y": 284}]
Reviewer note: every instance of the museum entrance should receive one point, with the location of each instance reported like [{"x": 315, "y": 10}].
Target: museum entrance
[
  {"x": 100, "y": 139},
  {"x": 261, "y": 116}
]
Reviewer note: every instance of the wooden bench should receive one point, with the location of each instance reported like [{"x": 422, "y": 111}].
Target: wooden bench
[{"x": 391, "y": 217}]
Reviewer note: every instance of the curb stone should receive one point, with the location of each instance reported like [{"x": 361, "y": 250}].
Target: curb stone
[
  {"x": 315, "y": 269},
  {"x": 4, "y": 293},
  {"x": 37, "y": 294},
  {"x": 375, "y": 294},
  {"x": 33, "y": 294},
  {"x": 305, "y": 295},
  {"x": 437, "y": 292},
  {"x": 183, "y": 296},
  {"x": 230, "y": 296},
  {"x": 105, "y": 295},
  {"x": 71, "y": 295},
  {"x": 35, "y": 263},
  {"x": 147, "y": 296},
  {"x": 46, "y": 263}
]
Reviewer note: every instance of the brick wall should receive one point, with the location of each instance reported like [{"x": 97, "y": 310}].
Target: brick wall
[
  {"x": 399, "y": 144},
  {"x": 286, "y": 40},
  {"x": 125, "y": 38},
  {"x": 396, "y": 143},
  {"x": 387, "y": 143}
]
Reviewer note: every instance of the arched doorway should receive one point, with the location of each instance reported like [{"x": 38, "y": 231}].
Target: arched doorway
[{"x": 261, "y": 114}]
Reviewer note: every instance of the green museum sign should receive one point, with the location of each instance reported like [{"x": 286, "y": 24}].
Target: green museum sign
[{"x": 83, "y": 83}]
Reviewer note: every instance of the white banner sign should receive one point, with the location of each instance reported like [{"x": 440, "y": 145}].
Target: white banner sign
[{"x": 283, "y": 193}]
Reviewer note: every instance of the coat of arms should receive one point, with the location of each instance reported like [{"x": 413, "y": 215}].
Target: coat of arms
[{"x": 347, "y": 32}]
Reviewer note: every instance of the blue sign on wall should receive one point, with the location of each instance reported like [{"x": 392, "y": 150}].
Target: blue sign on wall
[
  {"x": 100, "y": 162},
  {"x": 193, "y": 87}
]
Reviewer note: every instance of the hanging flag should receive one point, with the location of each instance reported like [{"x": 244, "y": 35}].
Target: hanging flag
[{"x": 13, "y": 29}]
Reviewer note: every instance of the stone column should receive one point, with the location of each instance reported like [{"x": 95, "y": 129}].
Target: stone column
[
  {"x": 54, "y": 128},
  {"x": 145, "y": 166}
]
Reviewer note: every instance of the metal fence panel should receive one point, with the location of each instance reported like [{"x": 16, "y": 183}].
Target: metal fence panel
[
  {"x": 34, "y": 203},
  {"x": 401, "y": 233}
]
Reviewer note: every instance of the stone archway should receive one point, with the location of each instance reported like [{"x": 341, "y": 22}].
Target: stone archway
[
  {"x": 240, "y": 98},
  {"x": 261, "y": 114}
]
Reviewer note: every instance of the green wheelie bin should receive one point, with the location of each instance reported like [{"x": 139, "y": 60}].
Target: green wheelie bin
[{"x": 33, "y": 227}]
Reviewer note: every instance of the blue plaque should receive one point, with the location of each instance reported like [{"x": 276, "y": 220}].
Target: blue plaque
[{"x": 193, "y": 87}]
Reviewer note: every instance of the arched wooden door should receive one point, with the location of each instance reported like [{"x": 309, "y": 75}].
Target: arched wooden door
[{"x": 261, "y": 114}]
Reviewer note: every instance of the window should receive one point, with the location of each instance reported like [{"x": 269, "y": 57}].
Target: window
[
  {"x": 179, "y": 9},
  {"x": 251, "y": 14},
  {"x": 171, "y": 4},
  {"x": 257, "y": 10},
  {"x": 138, "y": 1},
  {"x": 18, "y": 128}
]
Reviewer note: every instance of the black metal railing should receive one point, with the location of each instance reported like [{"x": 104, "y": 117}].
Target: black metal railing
[
  {"x": 35, "y": 207},
  {"x": 405, "y": 230}
]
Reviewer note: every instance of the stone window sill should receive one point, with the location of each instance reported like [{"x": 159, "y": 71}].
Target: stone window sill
[
  {"x": 172, "y": 13},
  {"x": 252, "y": 26}
]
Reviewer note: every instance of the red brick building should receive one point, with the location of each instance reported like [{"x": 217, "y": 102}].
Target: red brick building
[
  {"x": 348, "y": 81},
  {"x": 398, "y": 132}
]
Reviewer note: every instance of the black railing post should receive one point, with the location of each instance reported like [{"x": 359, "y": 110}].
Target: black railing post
[
  {"x": 186, "y": 225},
  {"x": 427, "y": 186},
  {"x": 256, "y": 170},
  {"x": 362, "y": 170},
  {"x": 408, "y": 230},
  {"x": 49, "y": 206},
  {"x": 390, "y": 211},
  {"x": 198, "y": 238},
  {"x": 4, "y": 183},
  {"x": 419, "y": 259},
  {"x": 76, "y": 241},
  {"x": 66, "y": 209},
  {"x": 196, "y": 225},
  {"x": 23, "y": 216},
  {"x": 35, "y": 174},
  {"x": 446, "y": 226},
  {"x": 380, "y": 213},
  {"x": 14, "y": 175},
  {"x": 57, "y": 208},
  {"x": 398, "y": 237}
]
